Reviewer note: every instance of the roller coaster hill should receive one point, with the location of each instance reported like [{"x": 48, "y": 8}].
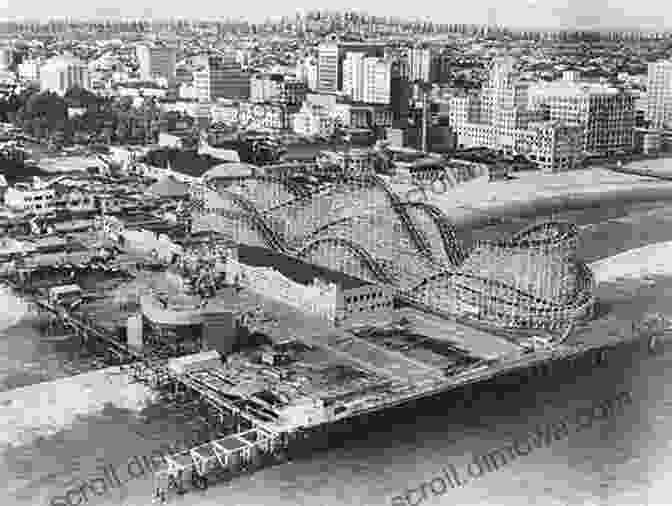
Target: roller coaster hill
[{"x": 361, "y": 227}]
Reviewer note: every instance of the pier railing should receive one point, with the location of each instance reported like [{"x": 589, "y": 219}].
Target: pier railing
[{"x": 227, "y": 456}]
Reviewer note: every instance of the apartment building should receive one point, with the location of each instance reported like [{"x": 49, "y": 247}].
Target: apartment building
[
  {"x": 419, "y": 64},
  {"x": 156, "y": 61},
  {"x": 221, "y": 77},
  {"x": 605, "y": 114},
  {"x": 327, "y": 68},
  {"x": 62, "y": 72},
  {"x": 29, "y": 70},
  {"x": 276, "y": 88},
  {"x": 553, "y": 145},
  {"x": 314, "y": 119},
  {"x": 367, "y": 79},
  {"x": 659, "y": 94}
]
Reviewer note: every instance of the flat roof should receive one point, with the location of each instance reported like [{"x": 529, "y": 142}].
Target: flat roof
[{"x": 294, "y": 269}]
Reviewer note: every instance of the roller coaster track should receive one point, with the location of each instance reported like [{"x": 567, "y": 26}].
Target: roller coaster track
[
  {"x": 294, "y": 188},
  {"x": 272, "y": 238},
  {"x": 451, "y": 245},
  {"x": 565, "y": 231},
  {"x": 278, "y": 243},
  {"x": 329, "y": 225},
  {"x": 486, "y": 281},
  {"x": 379, "y": 271},
  {"x": 398, "y": 206}
]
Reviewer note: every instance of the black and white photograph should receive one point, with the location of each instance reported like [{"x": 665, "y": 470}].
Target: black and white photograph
[{"x": 330, "y": 255}]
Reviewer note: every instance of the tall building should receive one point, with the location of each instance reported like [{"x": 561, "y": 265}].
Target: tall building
[
  {"x": 277, "y": 88},
  {"x": 659, "y": 99},
  {"x": 353, "y": 76},
  {"x": 306, "y": 71},
  {"x": 221, "y": 77},
  {"x": 62, "y": 72},
  {"x": 29, "y": 70},
  {"x": 605, "y": 114},
  {"x": 419, "y": 64},
  {"x": 331, "y": 57},
  {"x": 156, "y": 61},
  {"x": 377, "y": 80},
  {"x": 327, "y": 68},
  {"x": 367, "y": 79},
  {"x": 500, "y": 118}
]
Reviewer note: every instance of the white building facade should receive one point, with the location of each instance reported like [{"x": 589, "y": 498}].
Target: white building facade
[
  {"x": 659, "y": 94},
  {"x": 61, "y": 73}
]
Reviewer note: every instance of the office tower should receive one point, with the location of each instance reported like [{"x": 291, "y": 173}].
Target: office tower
[
  {"x": 29, "y": 70},
  {"x": 331, "y": 58},
  {"x": 377, "y": 80},
  {"x": 327, "y": 68},
  {"x": 221, "y": 77},
  {"x": 277, "y": 88},
  {"x": 605, "y": 114},
  {"x": 419, "y": 64},
  {"x": 62, "y": 72},
  {"x": 367, "y": 79},
  {"x": 156, "y": 61},
  {"x": 659, "y": 99},
  {"x": 353, "y": 76},
  {"x": 306, "y": 72}
]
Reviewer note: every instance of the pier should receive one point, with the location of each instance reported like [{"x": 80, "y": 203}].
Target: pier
[{"x": 221, "y": 459}]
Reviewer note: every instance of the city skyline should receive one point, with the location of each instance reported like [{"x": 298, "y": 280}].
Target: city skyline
[{"x": 549, "y": 14}]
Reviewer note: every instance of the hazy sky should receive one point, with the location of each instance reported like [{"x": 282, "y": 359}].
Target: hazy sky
[{"x": 550, "y": 13}]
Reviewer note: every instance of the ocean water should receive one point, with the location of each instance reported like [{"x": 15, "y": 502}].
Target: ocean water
[{"x": 621, "y": 460}]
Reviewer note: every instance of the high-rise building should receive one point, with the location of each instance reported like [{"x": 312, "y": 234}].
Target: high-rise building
[
  {"x": 353, "y": 76},
  {"x": 306, "y": 71},
  {"x": 29, "y": 70},
  {"x": 367, "y": 79},
  {"x": 377, "y": 80},
  {"x": 419, "y": 64},
  {"x": 222, "y": 77},
  {"x": 277, "y": 88},
  {"x": 499, "y": 117},
  {"x": 331, "y": 57},
  {"x": 62, "y": 72},
  {"x": 156, "y": 61},
  {"x": 605, "y": 114},
  {"x": 659, "y": 98},
  {"x": 327, "y": 68}
]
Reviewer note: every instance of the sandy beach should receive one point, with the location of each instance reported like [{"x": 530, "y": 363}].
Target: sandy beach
[{"x": 477, "y": 202}]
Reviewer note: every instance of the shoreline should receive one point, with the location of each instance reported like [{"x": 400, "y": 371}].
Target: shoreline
[{"x": 476, "y": 204}]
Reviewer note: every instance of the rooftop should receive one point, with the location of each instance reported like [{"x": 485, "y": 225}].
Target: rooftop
[
  {"x": 231, "y": 170},
  {"x": 574, "y": 89},
  {"x": 294, "y": 269},
  {"x": 63, "y": 60}
]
